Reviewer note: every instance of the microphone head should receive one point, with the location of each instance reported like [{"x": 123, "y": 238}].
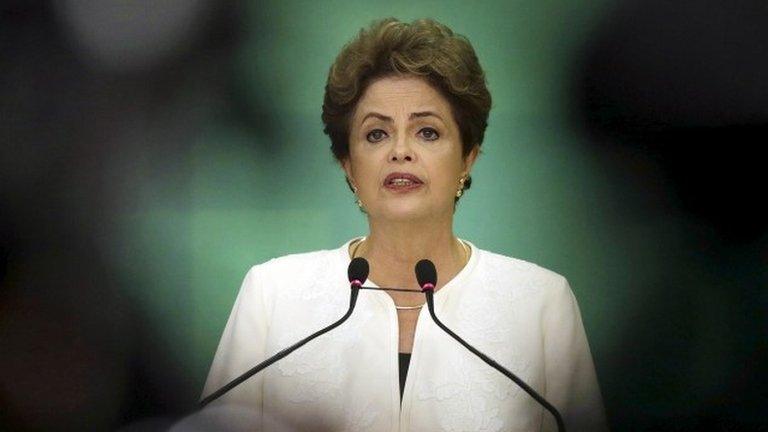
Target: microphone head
[
  {"x": 357, "y": 272},
  {"x": 426, "y": 274}
]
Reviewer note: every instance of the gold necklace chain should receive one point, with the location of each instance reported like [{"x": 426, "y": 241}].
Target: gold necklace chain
[
  {"x": 357, "y": 246},
  {"x": 465, "y": 248}
]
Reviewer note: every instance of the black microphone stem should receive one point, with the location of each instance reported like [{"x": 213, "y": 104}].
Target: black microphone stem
[
  {"x": 355, "y": 290},
  {"x": 492, "y": 363}
]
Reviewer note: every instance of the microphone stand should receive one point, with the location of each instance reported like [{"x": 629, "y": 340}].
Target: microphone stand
[
  {"x": 355, "y": 290},
  {"x": 430, "y": 294}
]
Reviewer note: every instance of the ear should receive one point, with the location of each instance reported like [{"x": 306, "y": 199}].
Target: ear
[
  {"x": 346, "y": 165},
  {"x": 469, "y": 160}
]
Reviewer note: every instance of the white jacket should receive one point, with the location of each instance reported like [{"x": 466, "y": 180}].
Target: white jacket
[{"x": 521, "y": 315}]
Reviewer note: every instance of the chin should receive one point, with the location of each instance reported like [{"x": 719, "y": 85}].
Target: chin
[{"x": 404, "y": 211}]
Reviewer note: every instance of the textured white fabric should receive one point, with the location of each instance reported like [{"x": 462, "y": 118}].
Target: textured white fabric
[{"x": 523, "y": 316}]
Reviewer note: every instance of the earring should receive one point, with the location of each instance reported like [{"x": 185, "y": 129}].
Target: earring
[
  {"x": 460, "y": 190},
  {"x": 357, "y": 198}
]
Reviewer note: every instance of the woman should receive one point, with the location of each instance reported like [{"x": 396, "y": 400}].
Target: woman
[{"x": 406, "y": 107}]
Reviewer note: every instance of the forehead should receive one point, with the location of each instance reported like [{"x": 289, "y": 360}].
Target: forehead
[{"x": 407, "y": 94}]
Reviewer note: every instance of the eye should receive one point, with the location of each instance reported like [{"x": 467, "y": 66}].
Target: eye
[
  {"x": 375, "y": 135},
  {"x": 429, "y": 134}
]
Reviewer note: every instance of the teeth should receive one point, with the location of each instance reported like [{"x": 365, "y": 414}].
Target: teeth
[{"x": 401, "y": 182}]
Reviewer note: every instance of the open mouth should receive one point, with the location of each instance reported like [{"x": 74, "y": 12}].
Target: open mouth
[{"x": 401, "y": 181}]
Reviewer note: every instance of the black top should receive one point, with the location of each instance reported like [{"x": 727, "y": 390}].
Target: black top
[{"x": 405, "y": 361}]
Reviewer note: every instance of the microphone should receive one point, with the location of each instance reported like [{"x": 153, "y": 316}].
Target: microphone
[
  {"x": 357, "y": 272},
  {"x": 426, "y": 275}
]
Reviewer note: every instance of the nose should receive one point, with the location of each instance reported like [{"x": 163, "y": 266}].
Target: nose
[{"x": 401, "y": 151}]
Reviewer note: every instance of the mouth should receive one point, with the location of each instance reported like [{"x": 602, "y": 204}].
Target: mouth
[{"x": 402, "y": 182}]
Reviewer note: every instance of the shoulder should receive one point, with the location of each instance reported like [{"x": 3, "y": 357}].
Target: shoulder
[
  {"x": 297, "y": 261},
  {"x": 296, "y": 265},
  {"x": 294, "y": 273},
  {"x": 500, "y": 267},
  {"x": 517, "y": 279}
]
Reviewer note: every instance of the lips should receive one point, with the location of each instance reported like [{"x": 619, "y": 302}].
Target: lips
[{"x": 401, "y": 180}]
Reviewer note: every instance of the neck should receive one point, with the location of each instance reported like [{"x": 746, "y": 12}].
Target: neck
[{"x": 394, "y": 248}]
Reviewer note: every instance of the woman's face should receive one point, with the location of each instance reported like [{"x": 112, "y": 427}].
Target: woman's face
[{"x": 405, "y": 152}]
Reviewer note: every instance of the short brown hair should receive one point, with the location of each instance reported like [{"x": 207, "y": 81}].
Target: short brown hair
[{"x": 423, "y": 48}]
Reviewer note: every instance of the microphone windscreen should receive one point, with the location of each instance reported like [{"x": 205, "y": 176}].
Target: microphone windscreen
[
  {"x": 426, "y": 273},
  {"x": 358, "y": 270}
]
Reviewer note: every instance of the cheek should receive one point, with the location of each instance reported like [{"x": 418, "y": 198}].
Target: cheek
[
  {"x": 447, "y": 173},
  {"x": 364, "y": 171},
  {"x": 359, "y": 165}
]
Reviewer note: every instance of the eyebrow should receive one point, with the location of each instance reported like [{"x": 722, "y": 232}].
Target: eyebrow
[{"x": 411, "y": 117}]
